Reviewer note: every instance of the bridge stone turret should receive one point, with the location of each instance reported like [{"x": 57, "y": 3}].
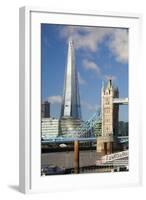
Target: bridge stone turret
[
  {"x": 109, "y": 118},
  {"x": 110, "y": 111}
]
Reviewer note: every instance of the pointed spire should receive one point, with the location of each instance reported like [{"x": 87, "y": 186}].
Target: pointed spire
[
  {"x": 102, "y": 85},
  {"x": 70, "y": 41},
  {"x": 109, "y": 84},
  {"x": 71, "y": 100}
]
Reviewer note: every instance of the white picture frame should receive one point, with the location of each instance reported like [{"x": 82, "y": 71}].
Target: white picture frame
[{"x": 30, "y": 150}]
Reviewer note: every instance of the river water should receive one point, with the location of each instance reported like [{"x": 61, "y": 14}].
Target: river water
[{"x": 66, "y": 159}]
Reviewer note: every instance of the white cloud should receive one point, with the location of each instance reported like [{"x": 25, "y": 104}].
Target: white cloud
[
  {"x": 119, "y": 45},
  {"x": 55, "y": 99},
  {"x": 81, "y": 80},
  {"x": 89, "y": 39},
  {"x": 90, "y": 65},
  {"x": 88, "y": 106},
  {"x": 86, "y": 38}
]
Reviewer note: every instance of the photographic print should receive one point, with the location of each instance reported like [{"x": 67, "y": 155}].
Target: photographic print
[{"x": 84, "y": 99}]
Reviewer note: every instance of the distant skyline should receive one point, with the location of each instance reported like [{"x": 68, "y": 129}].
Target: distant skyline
[{"x": 100, "y": 54}]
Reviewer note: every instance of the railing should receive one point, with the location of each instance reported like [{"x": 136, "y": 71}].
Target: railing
[
  {"x": 120, "y": 158},
  {"x": 83, "y": 139}
]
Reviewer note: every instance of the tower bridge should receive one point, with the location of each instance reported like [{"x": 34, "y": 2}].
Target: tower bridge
[
  {"x": 101, "y": 128},
  {"x": 71, "y": 126}
]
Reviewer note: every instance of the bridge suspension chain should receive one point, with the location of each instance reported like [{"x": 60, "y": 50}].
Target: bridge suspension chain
[{"x": 86, "y": 129}]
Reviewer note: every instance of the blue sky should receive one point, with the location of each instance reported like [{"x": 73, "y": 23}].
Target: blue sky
[{"x": 100, "y": 53}]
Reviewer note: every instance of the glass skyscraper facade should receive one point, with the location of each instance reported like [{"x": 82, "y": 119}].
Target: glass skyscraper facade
[{"x": 71, "y": 99}]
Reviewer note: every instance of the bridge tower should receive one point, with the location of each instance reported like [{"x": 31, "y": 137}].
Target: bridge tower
[
  {"x": 110, "y": 118},
  {"x": 110, "y": 111}
]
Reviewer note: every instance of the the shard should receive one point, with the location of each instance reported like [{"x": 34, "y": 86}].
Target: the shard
[
  {"x": 71, "y": 99},
  {"x": 70, "y": 119}
]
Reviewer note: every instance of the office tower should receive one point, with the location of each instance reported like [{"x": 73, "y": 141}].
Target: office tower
[
  {"x": 70, "y": 118},
  {"x": 71, "y": 99},
  {"x": 45, "y": 109}
]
